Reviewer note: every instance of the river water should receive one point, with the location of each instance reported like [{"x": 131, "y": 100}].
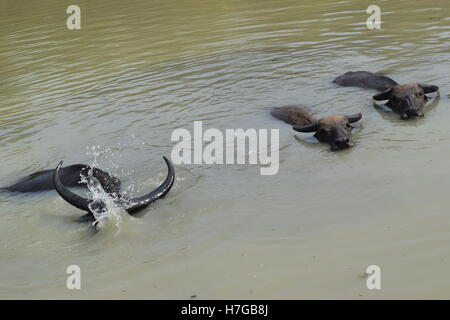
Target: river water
[{"x": 114, "y": 91}]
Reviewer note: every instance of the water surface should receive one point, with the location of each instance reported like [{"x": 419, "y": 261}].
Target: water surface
[{"x": 117, "y": 89}]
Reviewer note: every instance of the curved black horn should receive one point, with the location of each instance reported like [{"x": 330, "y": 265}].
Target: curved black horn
[
  {"x": 66, "y": 194},
  {"x": 307, "y": 128},
  {"x": 429, "y": 88},
  {"x": 142, "y": 202},
  {"x": 385, "y": 95},
  {"x": 354, "y": 117}
]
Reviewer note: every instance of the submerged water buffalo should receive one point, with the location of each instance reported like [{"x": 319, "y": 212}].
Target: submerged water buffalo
[
  {"x": 405, "y": 99},
  {"x": 336, "y": 130},
  {"x": 73, "y": 176}
]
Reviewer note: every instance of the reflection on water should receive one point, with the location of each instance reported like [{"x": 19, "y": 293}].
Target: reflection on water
[{"x": 133, "y": 73}]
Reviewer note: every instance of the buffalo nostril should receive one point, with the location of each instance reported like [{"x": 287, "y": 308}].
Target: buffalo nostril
[
  {"x": 413, "y": 112},
  {"x": 342, "y": 142}
]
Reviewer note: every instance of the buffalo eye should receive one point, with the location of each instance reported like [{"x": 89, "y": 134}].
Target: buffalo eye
[
  {"x": 322, "y": 133},
  {"x": 420, "y": 94},
  {"x": 349, "y": 126}
]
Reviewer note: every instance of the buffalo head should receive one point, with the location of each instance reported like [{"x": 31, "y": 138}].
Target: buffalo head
[
  {"x": 335, "y": 130},
  {"x": 408, "y": 99}
]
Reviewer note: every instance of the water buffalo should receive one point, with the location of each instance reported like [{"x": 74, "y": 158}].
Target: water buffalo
[
  {"x": 405, "y": 99},
  {"x": 72, "y": 176},
  {"x": 336, "y": 130}
]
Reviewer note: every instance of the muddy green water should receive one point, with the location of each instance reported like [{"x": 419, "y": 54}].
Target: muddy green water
[{"x": 137, "y": 70}]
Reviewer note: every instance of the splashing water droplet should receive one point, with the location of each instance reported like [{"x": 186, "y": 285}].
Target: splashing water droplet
[{"x": 105, "y": 207}]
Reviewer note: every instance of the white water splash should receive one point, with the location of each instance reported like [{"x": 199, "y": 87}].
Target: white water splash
[{"x": 104, "y": 207}]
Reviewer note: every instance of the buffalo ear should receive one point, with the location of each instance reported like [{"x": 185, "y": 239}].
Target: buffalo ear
[
  {"x": 429, "y": 88},
  {"x": 385, "y": 95},
  {"x": 354, "y": 118},
  {"x": 307, "y": 128}
]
